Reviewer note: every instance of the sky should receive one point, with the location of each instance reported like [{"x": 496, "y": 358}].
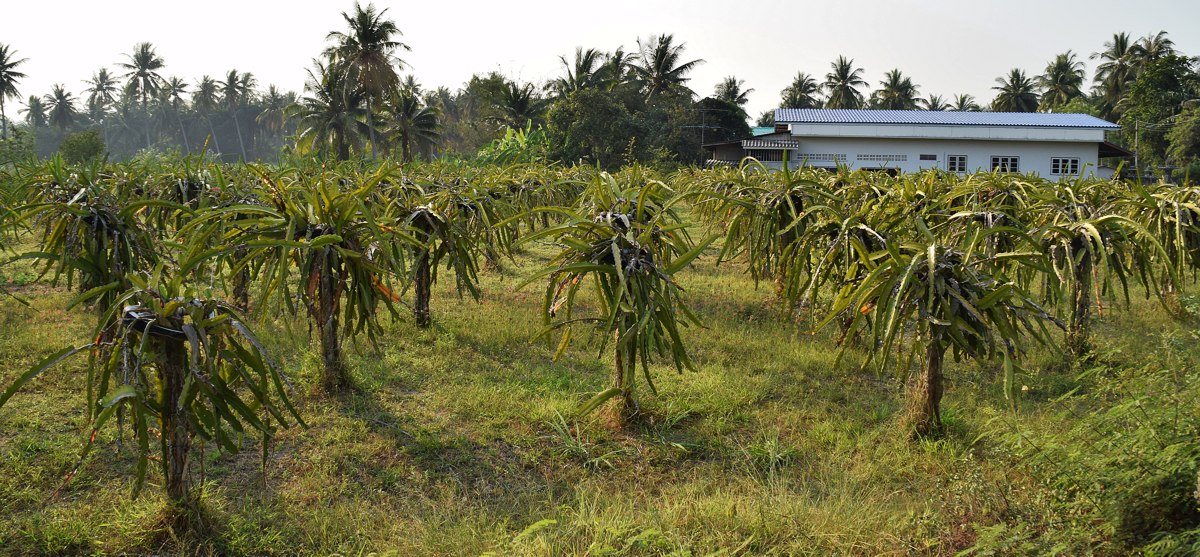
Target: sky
[{"x": 947, "y": 47}]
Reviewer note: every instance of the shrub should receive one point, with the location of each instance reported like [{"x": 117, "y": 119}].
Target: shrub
[
  {"x": 1124, "y": 466},
  {"x": 82, "y": 147}
]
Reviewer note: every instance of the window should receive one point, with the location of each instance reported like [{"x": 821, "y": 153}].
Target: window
[
  {"x": 766, "y": 155},
  {"x": 1006, "y": 164},
  {"x": 882, "y": 158},
  {"x": 956, "y": 163},
  {"x": 822, "y": 157},
  {"x": 929, "y": 157},
  {"x": 1064, "y": 166}
]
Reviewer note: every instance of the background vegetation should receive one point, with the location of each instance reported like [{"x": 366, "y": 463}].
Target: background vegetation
[{"x": 609, "y": 107}]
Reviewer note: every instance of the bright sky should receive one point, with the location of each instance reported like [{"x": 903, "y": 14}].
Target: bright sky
[{"x": 946, "y": 46}]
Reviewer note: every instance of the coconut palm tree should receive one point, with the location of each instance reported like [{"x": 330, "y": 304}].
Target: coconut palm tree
[
  {"x": 172, "y": 91},
  {"x": 410, "y": 85},
  {"x": 9, "y": 76},
  {"x": 171, "y": 98},
  {"x": 842, "y": 83},
  {"x": 586, "y": 72},
  {"x": 61, "y": 105},
  {"x": 804, "y": 92},
  {"x": 965, "y": 102},
  {"x": 934, "y": 102},
  {"x": 332, "y": 113},
  {"x": 274, "y": 106},
  {"x": 1061, "y": 82},
  {"x": 206, "y": 96},
  {"x": 519, "y": 105},
  {"x": 102, "y": 90},
  {"x": 410, "y": 122},
  {"x": 35, "y": 112},
  {"x": 236, "y": 91},
  {"x": 898, "y": 92},
  {"x": 1115, "y": 72},
  {"x": 730, "y": 90},
  {"x": 1150, "y": 48},
  {"x": 143, "y": 76},
  {"x": 205, "y": 100},
  {"x": 660, "y": 69},
  {"x": 369, "y": 47},
  {"x": 102, "y": 93},
  {"x": 617, "y": 68},
  {"x": 1017, "y": 93}
]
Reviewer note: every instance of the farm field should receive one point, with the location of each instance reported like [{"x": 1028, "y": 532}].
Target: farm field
[{"x": 466, "y": 437}]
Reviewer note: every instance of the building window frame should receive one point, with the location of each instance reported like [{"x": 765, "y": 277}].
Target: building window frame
[
  {"x": 766, "y": 155},
  {"x": 956, "y": 163},
  {"x": 1064, "y": 166},
  {"x": 873, "y": 157},
  {"x": 1008, "y": 164},
  {"x": 821, "y": 157}
]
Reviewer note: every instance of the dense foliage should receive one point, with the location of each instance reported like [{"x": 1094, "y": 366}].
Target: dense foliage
[{"x": 608, "y": 108}]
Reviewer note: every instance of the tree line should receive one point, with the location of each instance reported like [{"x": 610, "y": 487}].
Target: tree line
[{"x": 608, "y": 107}]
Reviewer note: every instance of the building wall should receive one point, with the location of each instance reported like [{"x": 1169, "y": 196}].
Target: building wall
[
  {"x": 899, "y": 131},
  {"x": 730, "y": 152},
  {"x": 1034, "y": 156}
]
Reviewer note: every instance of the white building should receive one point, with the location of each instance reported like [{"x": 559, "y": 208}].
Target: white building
[{"x": 1051, "y": 145}]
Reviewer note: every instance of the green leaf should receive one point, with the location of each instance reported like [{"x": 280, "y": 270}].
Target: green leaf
[{"x": 38, "y": 368}]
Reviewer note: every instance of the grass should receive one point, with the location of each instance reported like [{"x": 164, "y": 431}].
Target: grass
[{"x": 461, "y": 441}]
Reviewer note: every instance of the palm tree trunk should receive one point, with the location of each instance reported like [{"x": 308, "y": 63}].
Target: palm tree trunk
[
  {"x": 212, "y": 132},
  {"x": 371, "y": 123},
  {"x": 176, "y": 435},
  {"x": 238, "y": 127},
  {"x": 925, "y": 395},
  {"x": 146, "y": 114},
  {"x": 343, "y": 147},
  {"x": 3, "y": 120},
  {"x": 187, "y": 149}
]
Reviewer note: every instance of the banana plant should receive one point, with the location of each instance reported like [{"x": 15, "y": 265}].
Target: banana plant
[
  {"x": 628, "y": 239},
  {"x": 933, "y": 299},
  {"x": 181, "y": 368}
]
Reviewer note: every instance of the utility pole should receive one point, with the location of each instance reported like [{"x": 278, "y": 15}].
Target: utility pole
[{"x": 1137, "y": 169}]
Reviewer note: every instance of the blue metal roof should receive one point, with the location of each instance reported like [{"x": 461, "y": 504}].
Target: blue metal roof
[
  {"x": 939, "y": 118},
  {"x": 760, "y": 130}
]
